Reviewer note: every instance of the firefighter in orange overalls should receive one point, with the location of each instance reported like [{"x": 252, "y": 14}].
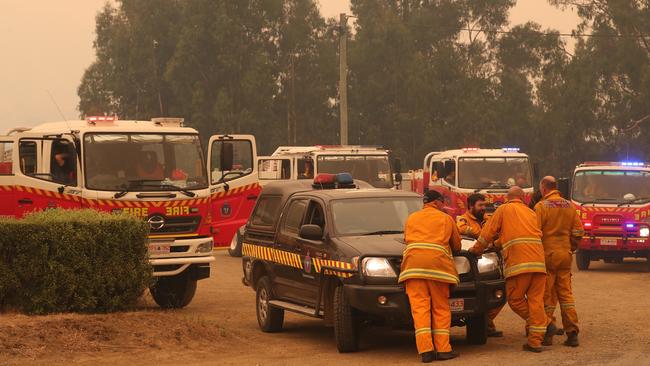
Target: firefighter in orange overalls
[
  {"x": 521, "y": 243},
  {"x": 428, "y": 271},
  {"x": 470, "y": 224},
  {"x": 561, "y": 232}
]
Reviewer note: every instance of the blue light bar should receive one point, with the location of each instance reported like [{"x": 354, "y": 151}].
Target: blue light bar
[
  {"x": 632, "y": 163},
  {"x": 510, "y": 149},
  {"x": 629, "y": 226},
  {"x": 344, "y": 178}
]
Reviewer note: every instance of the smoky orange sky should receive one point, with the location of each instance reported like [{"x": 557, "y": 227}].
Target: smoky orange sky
[{"x": 46, "y": 46}]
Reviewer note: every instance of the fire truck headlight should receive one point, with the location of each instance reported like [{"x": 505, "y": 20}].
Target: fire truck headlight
[
  {"x": 644, "y": 231},
  {"x": 204, "y": 247}
]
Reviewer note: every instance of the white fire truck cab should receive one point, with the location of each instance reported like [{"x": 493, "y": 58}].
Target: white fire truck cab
[
  {"x": 155, "y": 170},
  {"x": 367, "y": 163},
  {"x": 459, "y": 173}
]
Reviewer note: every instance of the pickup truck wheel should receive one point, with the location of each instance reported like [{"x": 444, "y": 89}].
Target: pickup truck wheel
[
  {"x": 269, "y": 318},
  {"x": 236, "y": 245},
  {"x": 173, "y": 292},
  {"x": 583, "y": 259},
  {"x": 346, "y": 326},
  {"x": 477, "y": 329}
]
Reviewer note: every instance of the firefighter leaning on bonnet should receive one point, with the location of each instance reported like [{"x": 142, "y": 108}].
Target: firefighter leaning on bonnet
[
  {"x": 428, "y": 272},
  {"x": 520, "y": 241},
  {"x": 562, "y": 230},
  {"x": 470, "y": 224}
]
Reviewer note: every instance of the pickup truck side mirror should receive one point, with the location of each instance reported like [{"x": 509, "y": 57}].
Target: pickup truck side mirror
[{"x": 311, "y": 232}]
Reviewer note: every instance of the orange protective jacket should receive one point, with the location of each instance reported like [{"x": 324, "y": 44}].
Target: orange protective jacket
[
  {"x": 559, "y": 222},
  {"x": 520, "y": 238},
  {"x": 468, "y": 225},
  {"x": 431, "y": 238}
]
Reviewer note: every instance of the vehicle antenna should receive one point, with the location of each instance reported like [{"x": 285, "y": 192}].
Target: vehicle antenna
[{"x": 56, "y": 105}]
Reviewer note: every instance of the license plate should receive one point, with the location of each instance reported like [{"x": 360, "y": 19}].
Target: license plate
[
  {"x": 608, "y": 241},
  {"x": 457, "y": 304},
  {"x": 158, "y": 248}
]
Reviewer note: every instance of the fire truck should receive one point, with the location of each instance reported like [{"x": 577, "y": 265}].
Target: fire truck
[
  {"x": 368, "y": 163},
  {"x": 155, "y": 170},
  {"x": 613, "y": 201},
  {"x": 458, "y": 173}
]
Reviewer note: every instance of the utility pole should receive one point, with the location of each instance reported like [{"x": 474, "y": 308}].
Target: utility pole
[
  {"x": 291, "y": 113},
  {"x": 343, "y": 77}
]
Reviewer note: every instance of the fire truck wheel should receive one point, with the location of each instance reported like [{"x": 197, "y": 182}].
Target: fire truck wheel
[
  {"x": 173, "y": 292},
  {"x": 346, "y": 325},
  {"x": 477, "y": 329},
  {"x": 583, "y": 259},
  {"x": 269, "y": 318},
  {"x": 236, "y": 244}
]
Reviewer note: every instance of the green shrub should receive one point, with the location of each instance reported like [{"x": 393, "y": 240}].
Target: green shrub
[{"x": 73, "y": 260}]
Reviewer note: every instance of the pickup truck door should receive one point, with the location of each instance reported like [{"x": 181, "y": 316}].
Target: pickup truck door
[
  {"x": 47, "y": 174},
  {"x": 8, "y": 154},
  {"x": 234, "y": 184}
]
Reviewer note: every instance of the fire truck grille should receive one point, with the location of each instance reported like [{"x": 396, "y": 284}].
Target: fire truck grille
[{"x": 179, "y": 225}]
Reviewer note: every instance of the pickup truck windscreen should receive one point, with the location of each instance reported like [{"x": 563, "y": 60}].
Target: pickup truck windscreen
[{"x": 366, "y": 216}]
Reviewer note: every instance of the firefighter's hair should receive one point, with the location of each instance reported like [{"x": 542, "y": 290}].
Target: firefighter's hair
[
  {"x": 473, "y": 198},
  {"x": 549, "y": 183}
]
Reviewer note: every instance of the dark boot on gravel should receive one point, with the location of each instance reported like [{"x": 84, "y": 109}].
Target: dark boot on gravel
[
  {"x": 572, "y": 340},
  {"x": 444, "y": 356},
  {"x": 428, "y": 357},
  {"x": 551, "y": 330},
  {"x": 493, "y": 333}
]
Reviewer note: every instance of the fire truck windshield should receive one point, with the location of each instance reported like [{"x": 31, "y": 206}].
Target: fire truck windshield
[
  {"x": 611, "y": 186},
  {"x": 493, "y": 173},
  {"x": 374, "y": 169},
  {"x": 146, "y": 162}
]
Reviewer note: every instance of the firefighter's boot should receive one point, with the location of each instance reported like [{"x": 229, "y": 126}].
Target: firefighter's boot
[
  {"x": 551, "y": 330},
  {"x": 444, "y": 356},
  {"x": 572, "y": 340},
  {"x": 428, "y": 357}
]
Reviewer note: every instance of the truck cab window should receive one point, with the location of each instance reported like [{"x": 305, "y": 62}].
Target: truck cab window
[
  {"x": 295, "y": 214},
  {"x": 315, "y": 215},
  {"x": 63, "y": 163},
  {"x": 450, "y": 172},
  {"x": 305, "y": 169},
  {"x": 27, "y": 155},
  {"x": 6, "y": 158}
]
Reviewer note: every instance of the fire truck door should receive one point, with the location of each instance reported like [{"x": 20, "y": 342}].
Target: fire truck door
[
  {"x": 47, "y": 174},
  {"x": 234, "y": 183},
  {"x": 7, "y": 199}
]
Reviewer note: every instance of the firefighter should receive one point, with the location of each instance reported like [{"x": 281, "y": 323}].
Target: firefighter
[
  {"x": 428, "y": 272},
  {"x": 470, "y": 225},
  {"x": 525, "y": 270},
  {"x": 561, "y": 232}
]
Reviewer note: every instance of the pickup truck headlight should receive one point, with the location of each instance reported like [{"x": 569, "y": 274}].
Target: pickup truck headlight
[
  {"x": 489, "y": 262},
  {"x": 462, "y": 265},
  {"x": 377, "y": 267},
  {"x": 644, "y": 231}
]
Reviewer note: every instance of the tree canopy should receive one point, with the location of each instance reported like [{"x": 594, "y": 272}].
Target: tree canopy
[{"x": 424, "y": 75}]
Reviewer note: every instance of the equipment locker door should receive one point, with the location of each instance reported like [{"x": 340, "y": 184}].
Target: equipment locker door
[
  {"x": 47, "y": 174},
  {"x": 234, "y": 184},
  {"x": 7, "y": 158}
]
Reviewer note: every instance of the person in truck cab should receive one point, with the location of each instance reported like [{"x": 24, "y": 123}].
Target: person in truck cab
[
  {"x": 470, "y": 224},
  {"x": 149, "y": 167},
  {"x": 428, "y": 272},
  {"x": 62, "y": 169},
  {"x": 520, "y": 241},
  {"x": 561, "y": 232}
]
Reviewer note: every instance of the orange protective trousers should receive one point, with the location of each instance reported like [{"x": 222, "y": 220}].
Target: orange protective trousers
[
  {"x": 525, "y": 293},
  {"x": 558, "y": 287},
  {"x": 431, "y": 314}
]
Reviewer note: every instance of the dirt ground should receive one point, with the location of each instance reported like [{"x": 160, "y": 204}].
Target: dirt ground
[{"x": 219, "y": 328}]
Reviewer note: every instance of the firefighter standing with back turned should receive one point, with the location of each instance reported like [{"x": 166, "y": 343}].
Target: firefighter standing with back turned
[
  {"x": 428, "y": 271},
  {"x": 561, "y": 232},
  {"x": 525, "y": 270},
  {"x": 470, "y": 224}
]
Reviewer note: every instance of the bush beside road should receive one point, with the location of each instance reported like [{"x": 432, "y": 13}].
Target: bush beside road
[
  {"x": 73, "y": 261},
  {"x": 220, "y": 328}
]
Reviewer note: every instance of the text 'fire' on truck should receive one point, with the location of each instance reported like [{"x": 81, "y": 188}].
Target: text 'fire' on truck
[
  {"x": 459, "y": 173},
  {"x": 613, "y": 201},
  {"x": 155, "y": 170}
]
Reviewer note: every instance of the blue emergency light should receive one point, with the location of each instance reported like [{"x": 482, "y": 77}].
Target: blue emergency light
[
  {"x": 510, "y": 149},
  {"x": 632, "y": 163}
]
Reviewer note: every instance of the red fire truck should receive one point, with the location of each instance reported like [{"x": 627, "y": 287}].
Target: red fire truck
[
  {"x": 458, "y": 173},
  {"x": 613, "y": 200},
  {"x": 154, "y": 169}
]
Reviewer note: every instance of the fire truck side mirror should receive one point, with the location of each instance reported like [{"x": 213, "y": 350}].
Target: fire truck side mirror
[
  {"x": 227, "y": 156},
  {"x": 397, "y": 167},
  {"x": 564, "y": 185}
]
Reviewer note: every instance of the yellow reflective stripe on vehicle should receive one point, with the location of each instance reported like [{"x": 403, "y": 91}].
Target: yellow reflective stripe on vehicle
[
  {"x": 524, "y": 268},
  {"x": 431, "y": 246},
  {"x": 428, "y": 274},
  {"x": 319, "y": 263},
  {"x": 521, "y": 241},
  {"x": 422, "y": 331}
]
